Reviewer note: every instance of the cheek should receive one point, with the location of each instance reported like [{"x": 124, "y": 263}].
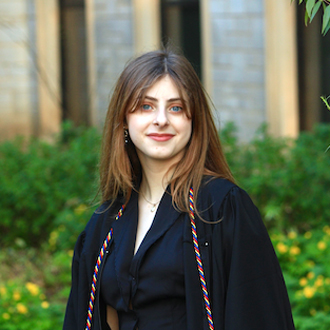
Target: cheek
[{"x": 188, "y": 129}]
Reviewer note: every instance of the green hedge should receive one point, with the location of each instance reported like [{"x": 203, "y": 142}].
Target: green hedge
[
  {"x": 46, "y": 190},
  {"x": 289, "y": 180},
  {"x": 38, "y": 181},
  {"x": 46, "y": 194}
]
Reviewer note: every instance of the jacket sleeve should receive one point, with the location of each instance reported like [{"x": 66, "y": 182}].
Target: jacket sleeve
[
  {"x": 71, "y": 319},
  {"x": 255, "y": 296}
]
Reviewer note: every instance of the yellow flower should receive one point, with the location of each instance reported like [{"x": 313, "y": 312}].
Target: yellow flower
[
  {"x": 303, "y": 281},
  {"x": 312, "y": 311},
  {"x": 33, "y": 288},
  {"x": 21, "y": 308},
  {"x": 310, "y": 263},
  {"x": 3, "y": 290},
  {"x": 321, "y": 245},
  {"x": 53, "y": 238},
  {"x": 308, "y": 292},
  {"x": 80, "y": 209},
  {"x": 294, "y": 250},
  {"x": 319, "y": 281},
  {"x": 5, "y": 316},
  {"x": 310, "y": 275},
  {"x": 326, "y": 229},
  {"x": 292, "y": 234},
  {"x": 16, "y": 295},
  {"x": 70, "y": 253},
  {"x": 308, "y": 235},
  {"x": 45, "y": 304},
  {"x": 282, "y": 248}
]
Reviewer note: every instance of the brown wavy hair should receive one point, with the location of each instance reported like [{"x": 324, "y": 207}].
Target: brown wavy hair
[{"x": 120, "y": 168}]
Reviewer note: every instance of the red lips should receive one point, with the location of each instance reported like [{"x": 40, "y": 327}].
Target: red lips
[{"x": 160, "y": 137}]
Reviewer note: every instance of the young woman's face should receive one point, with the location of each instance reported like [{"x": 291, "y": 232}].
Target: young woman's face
[{"x": 160, "y": 128}]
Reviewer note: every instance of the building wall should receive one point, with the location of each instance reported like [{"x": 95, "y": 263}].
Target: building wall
[
  {"x": 29, "y": 68},
  {"x": 17, "y": 79},
  {"x": 238, "y": 82},
  {"x": 113, "y": 45},
  {"x": 239, "y": 40}
]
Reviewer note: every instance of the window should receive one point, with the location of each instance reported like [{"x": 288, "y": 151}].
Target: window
[{"x": 180, "y": 21}]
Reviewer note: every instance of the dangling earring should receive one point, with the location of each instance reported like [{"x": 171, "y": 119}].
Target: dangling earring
[{"x": 126, "y": 135}]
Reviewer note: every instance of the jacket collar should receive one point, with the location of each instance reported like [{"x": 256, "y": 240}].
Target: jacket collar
[{"x": 124, "y": 231}]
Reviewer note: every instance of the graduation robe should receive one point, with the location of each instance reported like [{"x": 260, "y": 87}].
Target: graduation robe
[{"x": 244, "y": 279}]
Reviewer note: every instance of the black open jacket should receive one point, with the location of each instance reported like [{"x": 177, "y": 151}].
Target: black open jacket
[{"x": 244, "y": 279}]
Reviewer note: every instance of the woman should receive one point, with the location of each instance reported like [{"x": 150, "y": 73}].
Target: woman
[{"x": 176, "y": 244}]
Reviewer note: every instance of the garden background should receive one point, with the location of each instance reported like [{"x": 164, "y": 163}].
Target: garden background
[{"x": 48, "y": 193}]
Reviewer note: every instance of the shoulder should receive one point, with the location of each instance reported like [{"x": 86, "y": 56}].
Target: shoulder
[
  {"x": 214, "y": 190},
  {"x": 214, "y": 185},
  {"x": 219, "y": 196},
  {"x": 99, "y": 225},
  {"x": 107, "y": 211}
]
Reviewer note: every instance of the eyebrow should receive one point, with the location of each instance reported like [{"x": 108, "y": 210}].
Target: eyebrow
[{"x": 169, "y": 100}]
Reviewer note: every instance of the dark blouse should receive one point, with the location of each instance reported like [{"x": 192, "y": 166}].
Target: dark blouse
[
  {"x": 245, "y": 283},
  {"x": 147, "y": 289}
]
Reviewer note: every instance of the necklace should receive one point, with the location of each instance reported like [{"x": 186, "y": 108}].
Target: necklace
[{"x": 154, "y": 205}]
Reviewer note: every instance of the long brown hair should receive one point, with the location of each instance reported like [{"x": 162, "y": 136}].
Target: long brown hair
[{"x": 120, "y": 168}]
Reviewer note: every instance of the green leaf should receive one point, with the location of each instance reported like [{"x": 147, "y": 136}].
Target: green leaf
[
  {"x": 306, "y": 18},
  {"x": 326, "y": 29},
  {"x": 315, "y": 10},
  {"x": 326, "y": 20},
  {"x": 300, "y": 2},
  {"x": 325, "y": 100},
  {"x": 309, "y": 7}
]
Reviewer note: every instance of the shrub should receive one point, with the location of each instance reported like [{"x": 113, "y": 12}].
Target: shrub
[
  {"x": 288, "y": 180},
  {"x": 303, "y": 258},
  {"x": 40, "y": 180},
  {"x": 24, "y": 306}
]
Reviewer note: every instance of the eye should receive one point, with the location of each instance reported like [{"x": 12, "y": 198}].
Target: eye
[
  {"x": 146, "y": 107},
  {"x": 176, "y": 108}
]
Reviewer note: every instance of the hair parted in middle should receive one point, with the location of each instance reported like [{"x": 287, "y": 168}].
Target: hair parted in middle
[{"x": 120, "y": 168}]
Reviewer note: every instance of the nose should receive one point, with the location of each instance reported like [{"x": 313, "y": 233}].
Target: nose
[{"x": 161, "y": 117}]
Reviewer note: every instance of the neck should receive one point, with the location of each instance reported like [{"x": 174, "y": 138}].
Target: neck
[{"x": 154, "y": 181}]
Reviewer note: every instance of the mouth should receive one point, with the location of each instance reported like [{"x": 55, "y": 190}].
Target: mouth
[{"x": 160, "y": 137}]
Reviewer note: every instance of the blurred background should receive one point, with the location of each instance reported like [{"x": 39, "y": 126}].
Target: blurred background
[{"x": 59, "y": 60}]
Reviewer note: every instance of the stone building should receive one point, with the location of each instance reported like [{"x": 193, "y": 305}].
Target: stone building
[{"x": 59, "y": 59}]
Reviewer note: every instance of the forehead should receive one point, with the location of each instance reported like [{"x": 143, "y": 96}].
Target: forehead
[{"x": 165, "y": 87}]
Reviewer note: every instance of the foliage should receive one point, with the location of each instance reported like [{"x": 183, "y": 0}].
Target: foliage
[
  {"x": 303, "y": 258},
  {"x": 288, "y": 180},
  {"x": 34, "y": 289},
  {"x": 312, "y": 7},
  {"x": 38, "y": 181}
]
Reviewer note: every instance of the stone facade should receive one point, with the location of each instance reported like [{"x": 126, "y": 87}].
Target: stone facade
[
  {"x": 113, "y": 47},
  {"x": 17, "y": 74},
  {"x": 29, "y": 67},
  {"x": 30, "y": 104},
  {"x": 238, "y": 63}
]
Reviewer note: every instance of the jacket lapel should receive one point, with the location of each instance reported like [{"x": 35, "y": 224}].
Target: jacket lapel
[
  {"x": 124, "y": 231},
  {"x": 165, "y": 217}
]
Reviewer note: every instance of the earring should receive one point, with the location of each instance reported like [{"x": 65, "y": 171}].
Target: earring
[{"x": 126, "y": 135}]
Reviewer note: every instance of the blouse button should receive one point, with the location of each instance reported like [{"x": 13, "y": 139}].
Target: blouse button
[{"x": 206, "y": 243}]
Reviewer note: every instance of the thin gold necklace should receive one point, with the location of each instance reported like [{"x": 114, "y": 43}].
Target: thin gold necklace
[{"x": 154, "y": 205}]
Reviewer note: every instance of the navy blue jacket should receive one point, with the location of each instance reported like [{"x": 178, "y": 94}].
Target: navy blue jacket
[{"x": 244, "y": 279}]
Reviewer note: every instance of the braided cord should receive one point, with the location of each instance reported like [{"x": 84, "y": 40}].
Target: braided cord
[
  {"x": 199, "y": 260},
  {"x": 96, "y": 272}
]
